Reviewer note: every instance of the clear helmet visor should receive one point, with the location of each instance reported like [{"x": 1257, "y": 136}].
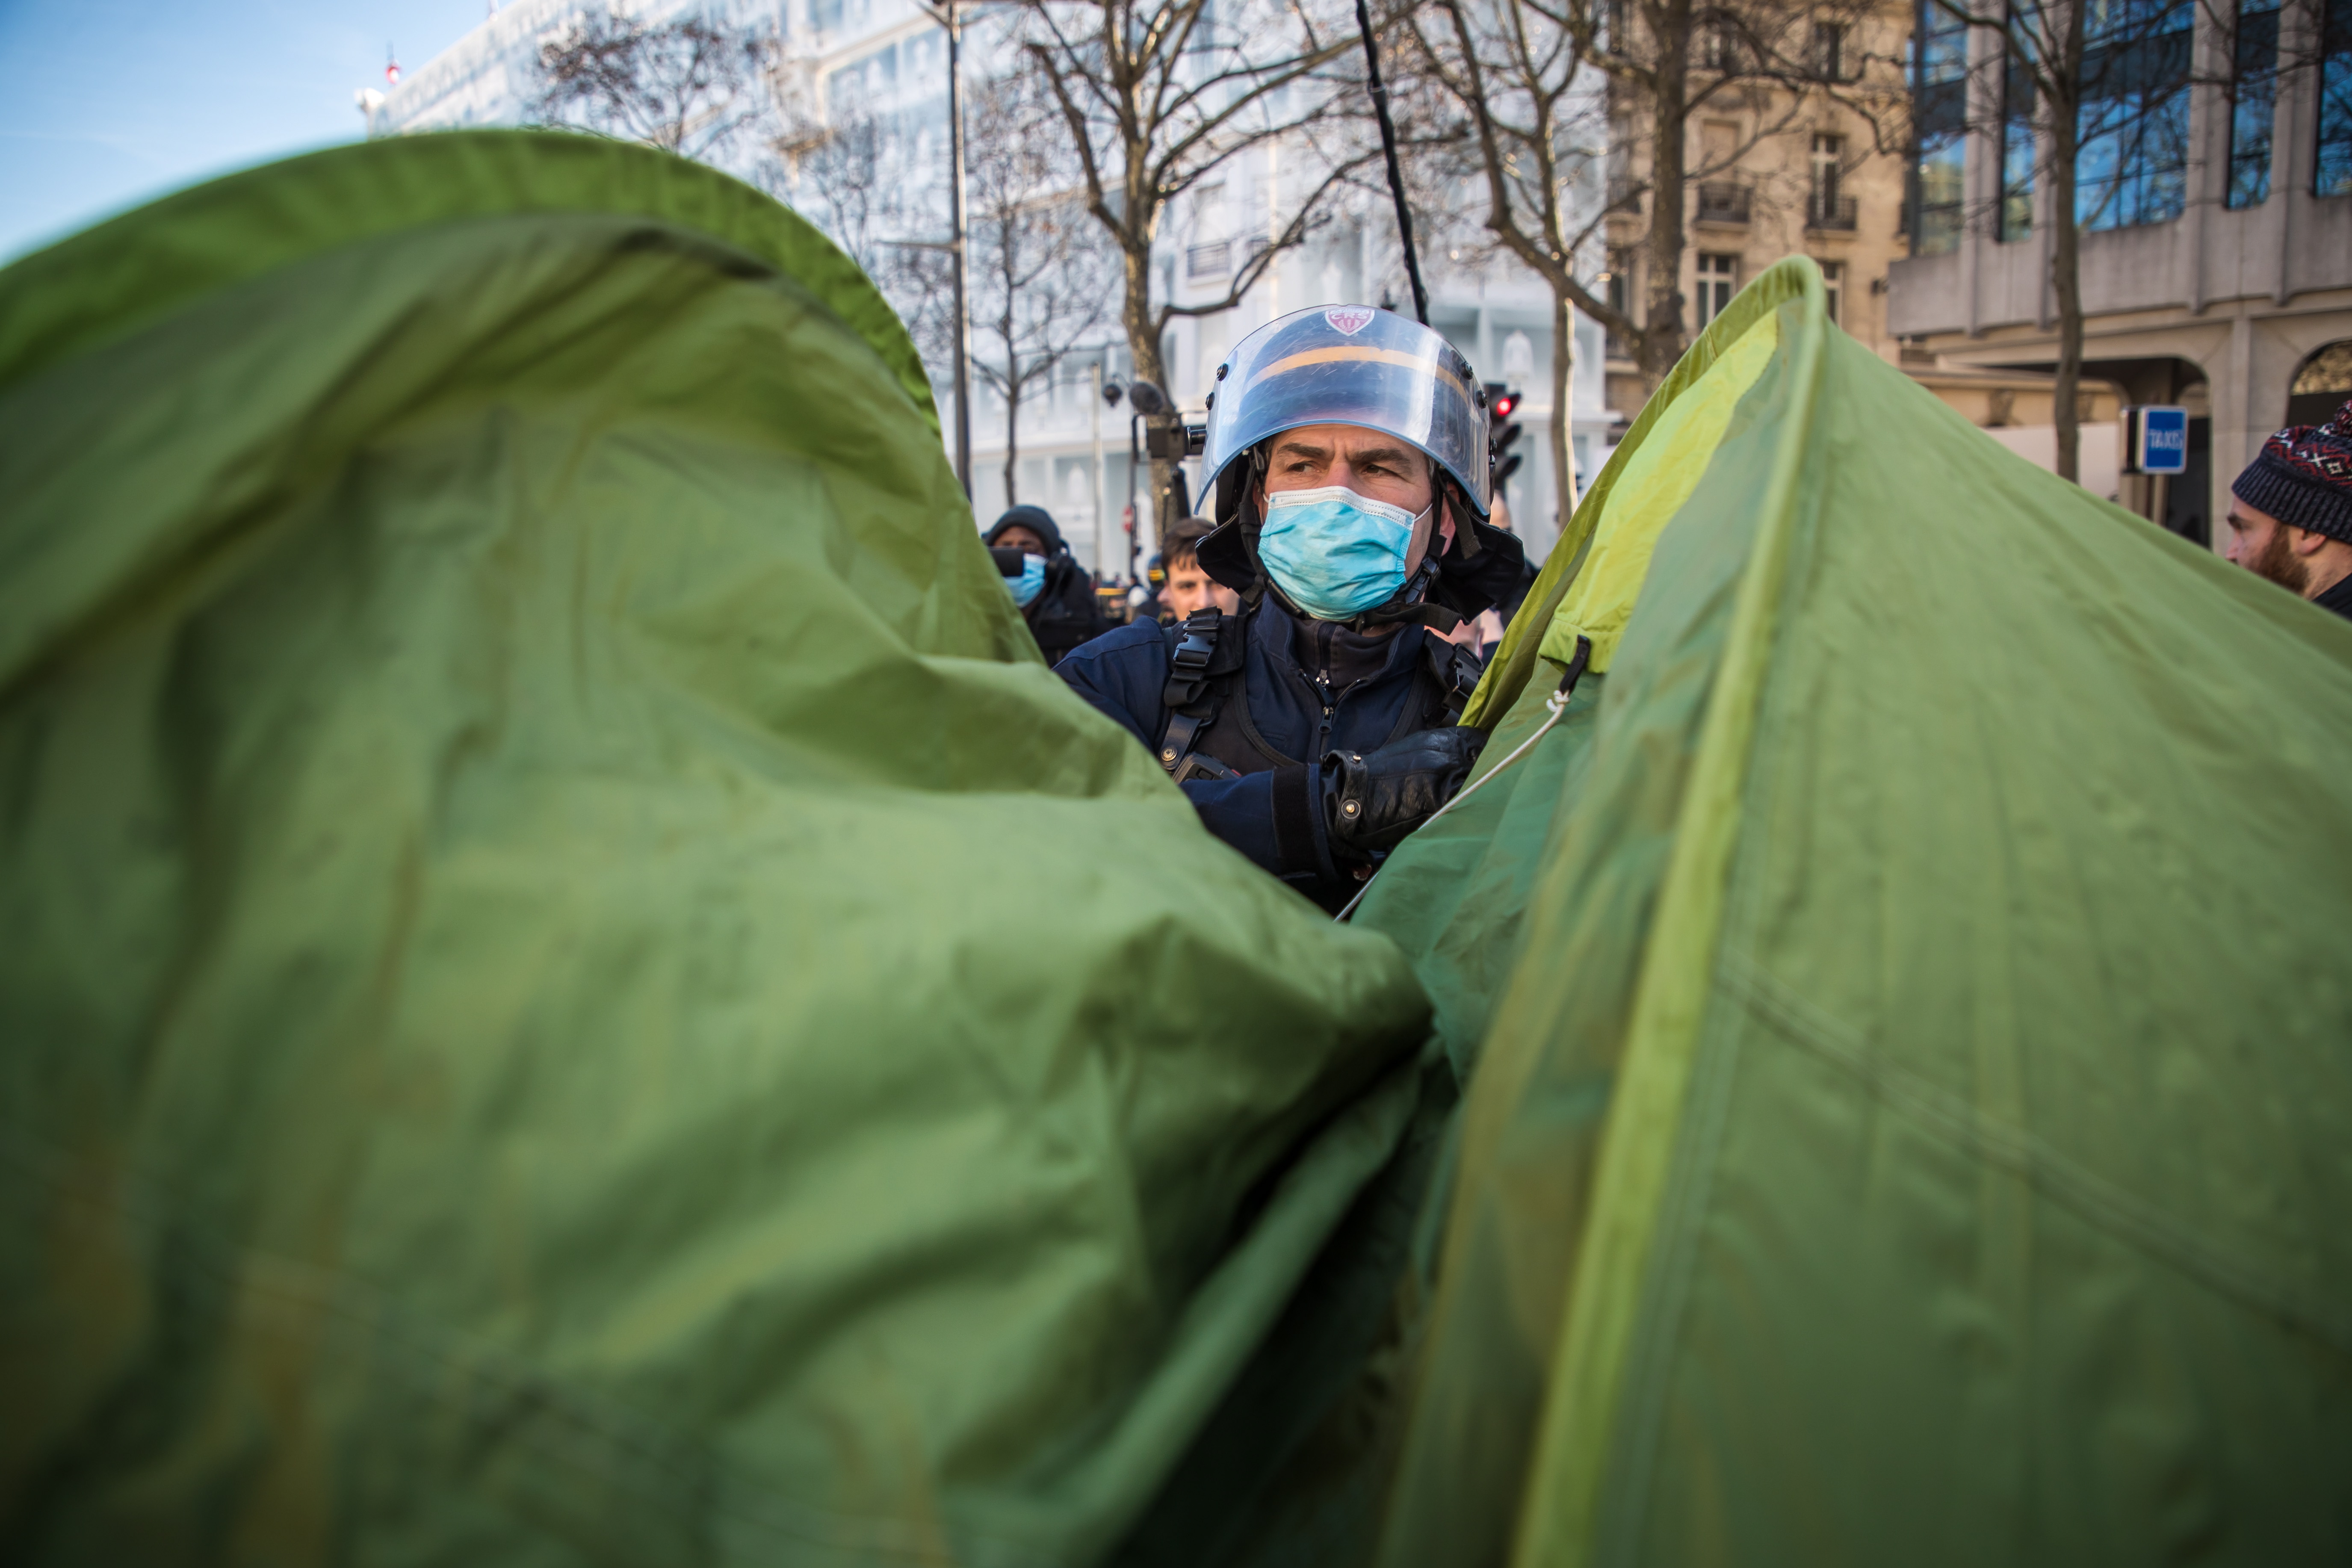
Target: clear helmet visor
[{"x": 1350, "y": 364}]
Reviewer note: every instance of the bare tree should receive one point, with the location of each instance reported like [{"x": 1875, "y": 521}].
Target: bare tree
[
  {"x": 857, "y": 178},
  {"x": 837, "y": 175},
  {"x": 1523, "y": 70},
  {"x": 1157, "y": 96},
  {"x": 1537, "y": 121},
  {"x": 1043, "y": 276},
  {"x": 691, "y": 86},
  {"x": 724, "y": 94}
]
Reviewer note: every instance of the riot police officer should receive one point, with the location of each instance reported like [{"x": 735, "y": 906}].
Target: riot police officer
[{"x": 1316, "y": 727}]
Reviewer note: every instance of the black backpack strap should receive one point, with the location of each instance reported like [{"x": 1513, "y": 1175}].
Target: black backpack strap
[{"x": 1195, "y": 688}]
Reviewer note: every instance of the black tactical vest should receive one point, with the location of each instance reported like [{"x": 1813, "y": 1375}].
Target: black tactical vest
[{"x": 1209, "y": 734}]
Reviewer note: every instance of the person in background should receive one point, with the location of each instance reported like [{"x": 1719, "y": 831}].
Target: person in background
[
  {"x": 1187, "y": 588},
  {"x": 2291, "y": 512},
  {"x": 1155, "y": 579},
  {"x": 1055, "y": 597}
]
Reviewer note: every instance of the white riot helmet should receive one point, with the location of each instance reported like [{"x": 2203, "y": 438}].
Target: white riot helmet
[{"x": 1350, "y": 364}]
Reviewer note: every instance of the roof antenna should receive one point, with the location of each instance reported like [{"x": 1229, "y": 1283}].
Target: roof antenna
[
  {"x": 1396, "y": 175},
  {"x": 391, "y": 68}
]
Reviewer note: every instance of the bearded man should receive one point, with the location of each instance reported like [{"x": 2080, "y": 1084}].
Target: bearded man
[{"x": 2291, "y": 512}]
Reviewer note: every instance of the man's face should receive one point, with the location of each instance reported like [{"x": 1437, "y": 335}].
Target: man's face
[
  {"x": 1021, "y": 539},
  {"x": 1189, "y": 588},
  {"x": 1376, "y": 467},
  {"x": 2266, "y": 547}
]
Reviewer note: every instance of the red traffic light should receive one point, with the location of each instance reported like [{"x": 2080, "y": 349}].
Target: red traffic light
[{"x": 1504, "y": 405}]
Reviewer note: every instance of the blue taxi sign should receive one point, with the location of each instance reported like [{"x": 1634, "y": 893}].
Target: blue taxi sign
[{"x": 2156, "y": 439}]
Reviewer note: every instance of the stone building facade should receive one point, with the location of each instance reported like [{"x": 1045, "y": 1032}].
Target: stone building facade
[
  {"x": 1781, "y": 168},
  {"x": 2224, "y": 284}
]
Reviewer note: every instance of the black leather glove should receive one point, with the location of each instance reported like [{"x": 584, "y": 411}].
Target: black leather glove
[{"x": 1372, "y": 799}]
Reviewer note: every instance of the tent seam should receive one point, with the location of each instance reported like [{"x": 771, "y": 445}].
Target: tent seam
[
  {"x": 1613, "y": 1261},
  {"x": 2111, "y": 1209},
  {"x": 1619, "y": 1525}
]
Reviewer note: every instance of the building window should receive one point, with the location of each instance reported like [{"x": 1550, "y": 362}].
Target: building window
[
  {"x": 2253, "y": 94},
  {"x": 1622, "y": 196},
  {"x": 1829, "y": 154},
  {"x": 1719, "y": 48},
  {"x": 1833, "y": 287},
  {"x": 2133, "y": 123},
  {"x": 1205, "y": 29},
  {"x": 1718, "y": 280},
  {"x": 1829, "y": 51},
  {"x": 1939, "y": 117},
  {"x": 2332, "y": 172},
  {"x": 2321, "y": 385},
  {"x": 2017, "y": 146},
  {"x": 1621, "y": 299},
  {"x": 1214, "y": 259}
]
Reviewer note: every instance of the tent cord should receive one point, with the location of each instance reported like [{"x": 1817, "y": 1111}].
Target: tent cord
[{"x": 1557, "y": 703}]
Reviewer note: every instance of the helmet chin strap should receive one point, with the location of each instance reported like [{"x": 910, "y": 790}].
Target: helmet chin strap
[{"x": 1411, "y": 603}]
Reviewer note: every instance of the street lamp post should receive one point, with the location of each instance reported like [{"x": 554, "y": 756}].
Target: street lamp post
[
  {"x": 944, "y": 11},
  {"x": 955, "y": 206},
  {"x": 1102, "y": 490}
]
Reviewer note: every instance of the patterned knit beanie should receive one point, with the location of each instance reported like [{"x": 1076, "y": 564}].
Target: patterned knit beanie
[{"x": 2303, "y": 477}]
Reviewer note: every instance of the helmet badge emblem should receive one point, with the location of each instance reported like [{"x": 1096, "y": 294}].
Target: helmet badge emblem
[{"x": 1349, "y": 320}]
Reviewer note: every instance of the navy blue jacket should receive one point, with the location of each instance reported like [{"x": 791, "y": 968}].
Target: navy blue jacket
[{"x": 1273, "y": 813}]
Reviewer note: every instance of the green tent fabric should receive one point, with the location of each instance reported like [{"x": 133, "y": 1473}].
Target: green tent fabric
[
  {"x": 1912, "y": 1116},
  {"x": 572, "y": 991}
]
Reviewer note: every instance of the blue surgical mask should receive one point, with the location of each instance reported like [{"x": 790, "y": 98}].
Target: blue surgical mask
[
  {"x": 1030, "y": 583},
  {"x": 1336, "y": 553}
]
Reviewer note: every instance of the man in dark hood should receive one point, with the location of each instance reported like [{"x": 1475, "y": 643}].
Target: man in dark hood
[
  {"x": 1317, "y": 727},
  {"x": 1055, "y": 596}
]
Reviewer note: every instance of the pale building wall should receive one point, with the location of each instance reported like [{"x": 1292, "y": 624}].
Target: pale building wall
[{"x": 2097, "y": 458}]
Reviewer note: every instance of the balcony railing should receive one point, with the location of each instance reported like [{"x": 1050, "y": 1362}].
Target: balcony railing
[
  {"x": 1209, "y": 260},
  {"x": 1624, "y": 196},
  {"x": 1724, "y": 203},
  {"x": 1835, "y": 214}
]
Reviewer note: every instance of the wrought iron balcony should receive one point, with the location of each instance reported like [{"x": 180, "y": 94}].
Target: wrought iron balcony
[
  {"x": 1835, "y": 214},
  {"x": 1723, "y": 202}
]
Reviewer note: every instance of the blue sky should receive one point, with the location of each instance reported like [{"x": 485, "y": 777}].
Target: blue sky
[{"x": 106, "y": 103}]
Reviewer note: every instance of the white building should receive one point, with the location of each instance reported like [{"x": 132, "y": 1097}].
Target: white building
[{"x": 886, "y": 59}]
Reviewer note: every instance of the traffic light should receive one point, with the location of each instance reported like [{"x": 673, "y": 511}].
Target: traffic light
[{"x": 1502, "y": 402}]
